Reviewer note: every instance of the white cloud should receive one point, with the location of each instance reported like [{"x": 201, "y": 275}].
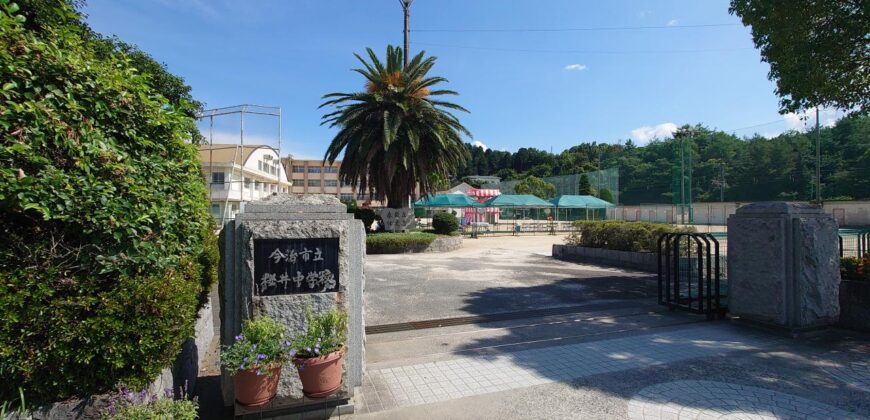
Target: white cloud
[
  {"x": 807, "y": 120},
  {"x": 575, "y": 67},
  {"x": 672, "y": 22},
  {"x": 644, "y": 13},
  {"x": 643, "y": 135},
  {"x": 480, "y": 144}
]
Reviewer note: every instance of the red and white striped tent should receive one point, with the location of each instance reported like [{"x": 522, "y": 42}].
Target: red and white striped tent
[{"x": 483, "y": 214}]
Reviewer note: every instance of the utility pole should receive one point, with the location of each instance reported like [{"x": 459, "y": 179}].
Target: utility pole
[
  {"x": 722, "y": 182},
  {"x": 818, "y": 160},
  {"x": 406, "y": 7},
  {"x": 682, "y": 180}
]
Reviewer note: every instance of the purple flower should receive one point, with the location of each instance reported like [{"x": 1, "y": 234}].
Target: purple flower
[
  {"x": 254, "y": 346},
  {"x": 316, "y": 351},
  {"x": 242, "y": 366},
  {"x": 261, "y": 356},
  {"x": 292, "y": 353},
  {"x": 318, "y": 339},
  {"x": 240, "y": 337},
  {"x": 308, "y": 349}
]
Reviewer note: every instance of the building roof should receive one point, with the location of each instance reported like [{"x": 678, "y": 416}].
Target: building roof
[
  {"x": 226, "y": 153},
  {"x": 580, "y": 201}
]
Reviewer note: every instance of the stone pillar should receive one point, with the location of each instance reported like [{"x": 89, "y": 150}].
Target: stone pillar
[
  {"x": 783, "y": 267},
  {"x": 316, "y": 225}
]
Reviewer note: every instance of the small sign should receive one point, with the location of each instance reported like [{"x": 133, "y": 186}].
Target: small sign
[{"x": 293, "y": 266}]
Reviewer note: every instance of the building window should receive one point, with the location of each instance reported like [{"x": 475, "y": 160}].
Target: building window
[
  {"x": 216, "y": 210},
  {"x": 297, "y": 182},
  {"x": 313, "y": 182},
  {"x": 331, "y": 182},
  {"x": 258, "y": 185},
  {"x": 346, "y": 196},
  {"x": 259, "y": 165},
  {"x": 298, "y": 169},
  {"x": 274, "y": 170},
  {"x": 313, "y": 169},
  {"x": 217, "y": 178},
  {"x": 248, "y": 183},
  {"x": 331, "y": 169}
]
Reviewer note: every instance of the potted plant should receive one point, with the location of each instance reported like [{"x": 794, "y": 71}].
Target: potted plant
[
  {"x": 256, "y": 358},
  {"x": 319, "y": 352}
]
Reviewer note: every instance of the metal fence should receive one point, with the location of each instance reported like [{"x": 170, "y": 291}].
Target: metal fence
[
  {"x": 691, "y": 276},
  {"x": 854, "y": 242}
]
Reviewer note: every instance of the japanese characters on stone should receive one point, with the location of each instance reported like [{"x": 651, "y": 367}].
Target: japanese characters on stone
[{"x": 289, "y": 266}]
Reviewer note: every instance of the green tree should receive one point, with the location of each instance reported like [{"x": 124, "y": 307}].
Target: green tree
[
  {"x": 395, "y": 133},
  {"x": 607, "y": 196},
  {"x": 108, "y": 246},
  {"x": 585, "y": 188},
  {"x": 536, "y": 186},
  {"x": 817, "y": 50}
]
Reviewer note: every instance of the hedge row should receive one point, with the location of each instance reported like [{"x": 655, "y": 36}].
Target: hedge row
[
  {"x": 107, "y": 246},
  {"x": 620, "y": 235},
  {"x": 853, "y": 268},
  {"x": 397, "y": 243}
]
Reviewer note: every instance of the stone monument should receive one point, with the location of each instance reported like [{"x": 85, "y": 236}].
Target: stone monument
[
  {"x": 285, "y": 253},
  {"x": 783, "y": 266}
]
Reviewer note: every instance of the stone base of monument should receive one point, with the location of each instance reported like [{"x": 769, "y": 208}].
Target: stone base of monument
[
  {"x": 340, "y": 404},
  {"x": 783, "y": 267},
  {"x": 282, "y": 256}
]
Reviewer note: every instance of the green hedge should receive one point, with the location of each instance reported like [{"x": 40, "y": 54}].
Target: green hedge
[
  {"x": 444, "y": 223},
  {"x": 397, "y": 243},
  {"x": 620, "y": 235},
  {"x": 108, "y": 249},
  {"x": 853, "y": 268}
]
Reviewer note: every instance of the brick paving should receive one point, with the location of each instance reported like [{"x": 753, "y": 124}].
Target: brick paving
[
  {"x": 475, "y": 375},
  {"x": 855, "y": 373},
  {"x": 708, "y": 400}
]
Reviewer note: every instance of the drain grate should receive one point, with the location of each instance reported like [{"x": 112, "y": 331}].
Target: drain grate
[{"x": 477, "y": 319}]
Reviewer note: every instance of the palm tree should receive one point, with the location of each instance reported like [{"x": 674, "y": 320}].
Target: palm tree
[{"x": 395, "y": 134}]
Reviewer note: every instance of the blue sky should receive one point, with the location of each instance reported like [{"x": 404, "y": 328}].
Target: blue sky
[{"x": 547, "y": 89}]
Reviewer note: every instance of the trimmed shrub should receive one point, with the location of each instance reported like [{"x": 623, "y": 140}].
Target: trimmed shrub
[
  {"x": 108, "y": 248},
  {"x": 444, "y": 223},
  {"x": 367, "y": 216},
  {"x": 398, "y": 243},
  {"x": 620, "y": 235},
  {"x": 853, "y": 268}
]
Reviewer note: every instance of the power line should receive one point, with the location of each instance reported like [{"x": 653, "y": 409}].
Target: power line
[
  {"x": 702, "y": 50},
  {"x": 586, "y": 29}
]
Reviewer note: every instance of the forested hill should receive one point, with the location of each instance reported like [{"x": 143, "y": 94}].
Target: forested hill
[{"x": 754, "y": 168}]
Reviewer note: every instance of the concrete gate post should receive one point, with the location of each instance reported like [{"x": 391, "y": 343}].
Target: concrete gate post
[
  {"x": 322, "y": 236},
  {"x": 783, "y": 266}
]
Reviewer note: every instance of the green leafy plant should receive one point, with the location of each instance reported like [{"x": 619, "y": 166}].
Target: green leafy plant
[
  {"x": 325, "y": 333},
  {"x": 260, "y": 346},
  {"x": 853, "y": 268},
  {"x": 620, "y": 235},
  {"x": 445, "y": 223},
  {"x": 397, "y": 243},
  {"x": 128, "y": 405},
  {"x": 108, "y": 249}
]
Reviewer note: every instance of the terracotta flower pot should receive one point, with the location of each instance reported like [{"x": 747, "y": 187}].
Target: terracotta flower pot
[
  {"x": 252, "y": 389},
  {"x": 320, "y": 376}
]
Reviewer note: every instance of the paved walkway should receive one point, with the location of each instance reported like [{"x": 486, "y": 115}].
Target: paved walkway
[{"x": 609, "y": 352}]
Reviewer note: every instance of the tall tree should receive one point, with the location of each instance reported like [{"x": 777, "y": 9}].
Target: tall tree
[
  {"x": 817, "y": 50},
  {"x": 536, "y": 186},
  {"x": 585, "y": 188},
  {"x": 395, "y": 133}
]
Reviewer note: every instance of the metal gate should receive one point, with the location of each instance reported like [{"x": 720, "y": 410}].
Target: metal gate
[{"x": 691, "y": 274}]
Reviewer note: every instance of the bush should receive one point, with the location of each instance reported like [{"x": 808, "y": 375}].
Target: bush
[
  {"x": 853, "y": 268},
  {"x": 126, "y": 405},
  {"x": 397, "y": 243},
  {"x": 367, "y": 216},
  {"x": 108, "y": 248},
  {"x": 444, "y": 223},
  {"x": 620, "y": 235}
]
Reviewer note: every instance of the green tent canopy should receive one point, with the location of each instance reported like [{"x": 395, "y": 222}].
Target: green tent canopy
[
  {"x": 447, "y": 200},
  {"x": 581, "y": 202},
  {"x": 517, "y": 201}
]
